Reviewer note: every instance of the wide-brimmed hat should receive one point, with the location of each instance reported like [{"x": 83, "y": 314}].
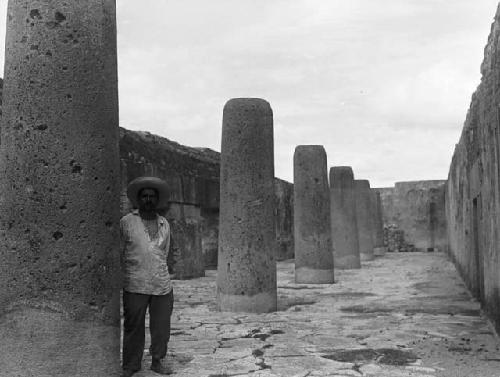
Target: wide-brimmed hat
[{"x": 140, "y": 183}]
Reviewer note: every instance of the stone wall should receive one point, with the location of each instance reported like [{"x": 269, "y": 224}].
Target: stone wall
[
  {"x": 473, "y": 188},
  {"x": 418, "y": 209}
]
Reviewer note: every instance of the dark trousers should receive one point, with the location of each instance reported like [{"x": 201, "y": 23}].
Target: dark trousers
[{"x": 134, "y": 312}]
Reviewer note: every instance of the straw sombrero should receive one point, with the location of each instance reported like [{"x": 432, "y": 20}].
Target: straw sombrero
[{"x": 139, "y": 183}]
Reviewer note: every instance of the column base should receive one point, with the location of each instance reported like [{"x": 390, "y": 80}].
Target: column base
[
  {"x": 366, "y": 257},
  {"x": 264, "y": 302},
  {"x": 379, "y": 251},
  {"x": 305, "y": 275},
  {"x": 347, "y": 262}
]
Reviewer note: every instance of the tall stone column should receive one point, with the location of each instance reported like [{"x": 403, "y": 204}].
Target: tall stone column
[
  {"x": 364, "y": 217},
  {"x": 343, "y": 217},
  {"x": 60, "y": 190},
  {"x": 312, "y": 232},
  {"x": 379, "y": 248},
  {"x": 246, "y": 271}
]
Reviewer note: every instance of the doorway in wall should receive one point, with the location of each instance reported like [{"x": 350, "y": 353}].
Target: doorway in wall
[
  {"x": 476, "y": 245},
  {"x": 432, "y": 226}
]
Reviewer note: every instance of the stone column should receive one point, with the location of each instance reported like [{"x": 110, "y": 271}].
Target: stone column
[
  {"x": 379, "y": 248},
  {"x": 364, "y": 217},
  {"x": 60, "y": 190},
  {"x": 312, "y": 232},
  {"x": 246, "y": 272},
  {"x": 343, "y": 217}
]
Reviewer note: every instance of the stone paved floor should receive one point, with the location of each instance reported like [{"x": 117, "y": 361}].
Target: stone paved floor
[{"x": 405, "y": 314}]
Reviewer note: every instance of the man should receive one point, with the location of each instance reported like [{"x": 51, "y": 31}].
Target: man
[{"x": 146, "y": 264}]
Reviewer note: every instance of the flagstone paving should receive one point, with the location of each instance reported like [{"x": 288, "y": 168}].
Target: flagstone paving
[{"x": 401, "y": 315}]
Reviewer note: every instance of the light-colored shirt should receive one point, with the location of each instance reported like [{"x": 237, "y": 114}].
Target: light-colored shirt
[{"x": 144, "y": 260}]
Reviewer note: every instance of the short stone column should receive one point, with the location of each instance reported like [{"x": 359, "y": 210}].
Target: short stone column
[
  {"x": 60, "y": 191},
  {"x": 364, "y": 217},
  {"x": 343, "y": 218},
  {"x": 246, "y": 271},
  {"x": 311, "y": 203},
  {"x": 379, "y": 248}
]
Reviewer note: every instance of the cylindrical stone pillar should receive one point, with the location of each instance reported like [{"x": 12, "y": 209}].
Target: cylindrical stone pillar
[
  {"x": 364, "y": 217},
  {"x": 378, "y": 241},
  {"x": 311, "y": 203},
  {"x": 59, "y": 191},
  {"x": 246, "y": 271},
  {"x": 343, "y": 218}
]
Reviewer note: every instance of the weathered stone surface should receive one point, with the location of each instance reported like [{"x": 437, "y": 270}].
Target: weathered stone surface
[
  {"x": 343, "y": 218},
  {"x": 59, "y": 184},
  {"x": 191, "y": 173},
  {"x": 379, "y": 248},
  {"x": 418, "y": 209},
  {"x": 364, "y": 218},
  {"x": 473, "y": 187},
  {"x": 312, "y": 230},
  {"x": 246, "y": 274},
  {"x": 404, "y": 315}
]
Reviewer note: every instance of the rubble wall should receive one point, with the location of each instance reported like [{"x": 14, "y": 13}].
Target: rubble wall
[
  {"x": 418, "y": 209},
  {"x": 473, "y": 188}
]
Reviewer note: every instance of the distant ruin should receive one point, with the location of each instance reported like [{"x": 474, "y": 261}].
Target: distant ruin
[{"x": 414, "y": 216}]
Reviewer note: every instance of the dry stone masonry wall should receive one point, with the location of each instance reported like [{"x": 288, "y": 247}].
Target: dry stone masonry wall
[{"x": 473, "y": 188}]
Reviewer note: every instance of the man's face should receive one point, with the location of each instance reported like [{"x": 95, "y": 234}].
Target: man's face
[{"x": 147, "y": 199}]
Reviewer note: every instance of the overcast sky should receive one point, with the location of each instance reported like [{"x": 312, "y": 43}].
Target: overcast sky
[{"x": 384, "y": 85}]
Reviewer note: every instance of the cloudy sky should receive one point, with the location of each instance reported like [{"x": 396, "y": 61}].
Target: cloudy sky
[{"x": 384, "y": 85}]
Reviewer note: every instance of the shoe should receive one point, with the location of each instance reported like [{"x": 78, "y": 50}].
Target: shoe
[
  {"x": 161, "y": 368},
  {"x": 128, "y": 372}
]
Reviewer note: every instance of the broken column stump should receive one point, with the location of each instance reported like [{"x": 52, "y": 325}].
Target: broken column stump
[
  {"x": 364, "y": 218},
  {"x": 312, "y": 232},
  {"x": 379, "y": 248},
  {"x": 246, "y": 272},
  {"x": 60, "y": 189},
  {"x": 343, "y": 218}
]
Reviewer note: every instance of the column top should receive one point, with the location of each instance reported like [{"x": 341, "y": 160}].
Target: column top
[
  {"x": 340, "y": 174},
  {"x": 255, "y": 104},
  {"x": 362, "y": 183}
]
